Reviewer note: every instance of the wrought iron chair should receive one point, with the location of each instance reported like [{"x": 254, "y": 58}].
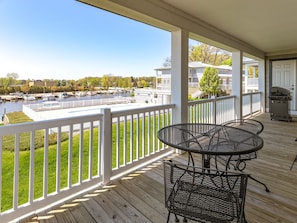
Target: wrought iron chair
[
  {"x": 239, "y": 161},
  {"x": 251, "y": 125},
  {"x": 295, "y": 160},
  {"x": 204, "y": 195}
]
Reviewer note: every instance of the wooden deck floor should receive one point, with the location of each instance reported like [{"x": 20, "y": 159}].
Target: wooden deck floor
[{"x": 139, "y": 196}]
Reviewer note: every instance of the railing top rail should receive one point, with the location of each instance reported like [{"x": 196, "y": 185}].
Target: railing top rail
[
  {"x": 36, "y": 125},
  {"x": 211, "y": 99},
  {"x": 141, "y": 110},
  {"x": 251, "y": 93}
]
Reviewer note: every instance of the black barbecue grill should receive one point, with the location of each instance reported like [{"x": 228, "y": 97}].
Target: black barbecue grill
[{"x": 279, "y": 104}]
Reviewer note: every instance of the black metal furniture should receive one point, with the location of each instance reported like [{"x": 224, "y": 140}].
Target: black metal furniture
[
  {"x": 210, "y": 140},
  {"x": 295, "y": 160},
  {"x": 250, "y": 125},
  {"x": 279, "y": 104},
  {"x": 204, "y": 195},
  {"x": 239, "y": 161}
]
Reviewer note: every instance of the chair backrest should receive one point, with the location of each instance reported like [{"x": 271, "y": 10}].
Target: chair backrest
[
  {"x": 204, "y": 194},
  {"x": 251, "y": 125}
]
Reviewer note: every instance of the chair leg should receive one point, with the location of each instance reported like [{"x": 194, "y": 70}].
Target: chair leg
[
  {"x": 168, "y": 216},
  {"x": 266, "y": 188},
  {"x": 295, "y": 160},
  {"x": 176, "y": 218}
]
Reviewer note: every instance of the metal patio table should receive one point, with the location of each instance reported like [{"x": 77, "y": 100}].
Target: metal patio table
[{"x": 210, "y": 140}]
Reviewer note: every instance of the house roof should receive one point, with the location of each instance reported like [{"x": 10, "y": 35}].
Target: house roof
[
  {"x": 258, "y": 28},
  {"x": 198, "y": 64}
]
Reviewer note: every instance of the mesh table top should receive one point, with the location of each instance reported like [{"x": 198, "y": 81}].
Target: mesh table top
[{"x": 210, "y": 139}]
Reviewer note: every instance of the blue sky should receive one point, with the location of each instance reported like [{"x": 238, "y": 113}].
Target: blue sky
[{"x": 66, "y": 39}]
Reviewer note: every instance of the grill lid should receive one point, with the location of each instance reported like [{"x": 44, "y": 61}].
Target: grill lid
[{"x": 279, "y": 93}]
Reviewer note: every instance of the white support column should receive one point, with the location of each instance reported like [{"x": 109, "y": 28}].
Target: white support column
[
  {"x": 179, "y": 75},
  {"x": 261, "y": 83},
  {"x": 246, "y": 75},
  {"x": 237, "y": 82}
]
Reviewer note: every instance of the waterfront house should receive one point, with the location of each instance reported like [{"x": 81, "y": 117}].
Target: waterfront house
[
  {"x": 195, "y": 73},
  {"x": 262, "y": 30}
]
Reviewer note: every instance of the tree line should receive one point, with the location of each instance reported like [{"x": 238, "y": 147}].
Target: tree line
[
  {"x": 209, "y": 84},
  {"x": 11, "y": 84}
]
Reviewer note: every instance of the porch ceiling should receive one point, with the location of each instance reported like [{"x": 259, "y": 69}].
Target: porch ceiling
[
  {"x": 262, "y": 27},
  {"x": 267, "y": 25}
]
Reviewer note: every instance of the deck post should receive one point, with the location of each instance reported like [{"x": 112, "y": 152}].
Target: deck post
[
  {"x": 261, "y": 84},
  {"x": 237, "y": 82},
  {"x": 179, "y": 75},
  {"x": 106, "y": 146}
]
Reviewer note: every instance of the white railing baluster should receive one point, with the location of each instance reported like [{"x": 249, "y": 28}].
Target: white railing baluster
[
  {"x": 118, "y": 145},
  {"x": 158, "y": 127},
  {"x": 214, "y": 111},
  {"x": 100, "y": 135},
  {"x": 16, "y": 171},
  {"x": 58, "y": 161},
  {"x": 45, "y": 164},
  {"x": 31, "y": 167},
  {"x": 131, "y": 138},
  {"x": 143, "y": 135},
  {"x": 81, "y": 147},
  {"x": 125, "y": 141},
  {"x": 70, "y": 144},
  {"x": 137, "y": 137},
  {"x": 90, "y": 151},
  {"x": 154, "y": 131},
  {"x": 148, "y": 133}
]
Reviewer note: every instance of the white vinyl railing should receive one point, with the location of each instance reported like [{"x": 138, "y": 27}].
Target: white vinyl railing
[
  {"x": 215, "y": 110},
  {"x": 53, "y": 105},
  {"x": 56, "y": 171},
  {"x": 251, "y": 103},
  {"x": 221, "y": 109},
  {"x": 54, "y": 160},
  {"x": 136, "y": 132},
  {"x": 77, "y": 153}
]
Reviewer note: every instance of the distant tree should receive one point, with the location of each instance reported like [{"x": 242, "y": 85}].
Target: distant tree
[
  {"x": 25, "y": 87},
  {"x": 195, "y": 53},
  {"x": 124, "y": 82},
  {"x": 6, "y": 82},
  {"x": 208, "y": 54},
  {"x": 210, "y": 82},
  {"x": 54, "y": 88},
  {"x": 167, "y": 62},
  {"x": 105, "y": 81},
  {"x": 141, "y": 83},
  {"x": 93, "y": 82},
  {"x": 227, "y": 62},
  {"x": 14, "y": 76}
]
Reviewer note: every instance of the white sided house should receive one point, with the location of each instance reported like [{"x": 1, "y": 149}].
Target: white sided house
[{"x": 195, "y": 73}]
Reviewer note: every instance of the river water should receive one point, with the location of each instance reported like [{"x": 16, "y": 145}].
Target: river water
[{"x": 7, "y": 107}]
